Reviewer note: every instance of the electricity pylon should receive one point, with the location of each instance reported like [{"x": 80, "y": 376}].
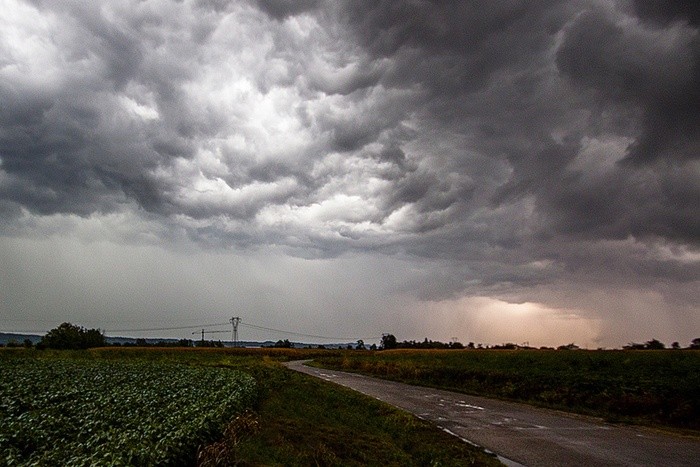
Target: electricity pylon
[{"x": 235, "y": 321}]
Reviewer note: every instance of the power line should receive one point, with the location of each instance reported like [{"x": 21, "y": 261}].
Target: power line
[
  {"x": 302, "y": 334},
  {"x": 235, "y": 322},
  {"x": 168, "y": 328}
]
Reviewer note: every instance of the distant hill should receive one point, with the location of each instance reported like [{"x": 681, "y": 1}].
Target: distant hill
[{"x": 9, "y": 337}]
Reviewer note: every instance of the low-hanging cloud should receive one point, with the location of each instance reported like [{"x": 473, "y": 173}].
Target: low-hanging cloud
[{"x": 508, "y": 149}]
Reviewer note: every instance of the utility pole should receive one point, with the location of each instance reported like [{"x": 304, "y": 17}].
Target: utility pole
[
  {"x": 205, "y": 331},
  {"x": 235, "y": 321}
]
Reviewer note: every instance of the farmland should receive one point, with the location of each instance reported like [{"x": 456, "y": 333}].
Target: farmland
[
  {"x": 660, "y": 388},
  {"x": 145, "y": 406},
  {"x": 83, "y": 412},
  {"x": 117, "y": 406}
]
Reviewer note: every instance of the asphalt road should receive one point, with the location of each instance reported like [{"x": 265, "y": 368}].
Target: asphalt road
[{"x": 524, "y": 435}]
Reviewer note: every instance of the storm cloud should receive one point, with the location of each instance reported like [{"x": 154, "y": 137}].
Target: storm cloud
[{"x": 525, "y": 152}]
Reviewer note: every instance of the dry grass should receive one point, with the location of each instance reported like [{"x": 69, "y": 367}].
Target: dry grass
[{"x": 223, "y": 453}]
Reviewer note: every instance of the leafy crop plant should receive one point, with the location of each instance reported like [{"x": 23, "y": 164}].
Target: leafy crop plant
[{"x": 79, "y": 412}]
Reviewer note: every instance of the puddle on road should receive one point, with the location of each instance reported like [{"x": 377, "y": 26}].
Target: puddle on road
[
  {"x": 468, "y": 406},
  {"x": 531, "y": 427},
  {"x": 441, "y": 402}
]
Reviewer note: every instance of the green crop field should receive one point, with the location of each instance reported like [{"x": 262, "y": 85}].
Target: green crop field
[
  {"x": 659, "y": 388},
  {"x": 100, "y": 412}
]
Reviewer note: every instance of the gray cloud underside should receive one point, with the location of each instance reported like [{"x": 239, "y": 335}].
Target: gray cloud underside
[{"x": 513, "y": 144}]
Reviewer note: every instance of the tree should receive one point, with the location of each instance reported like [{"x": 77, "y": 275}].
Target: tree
[
  {"x": 360, "y": 345},
  {"x": 388, "y": 342},
  {"x": 571, "y": 346},
  {"x": 65, "y": 336},
  {"x": 206, "y": 343},
  {"x": 69, "y": 336},
  {"x": 695, "y": 344},
  {"x": 654, "y": 344}
]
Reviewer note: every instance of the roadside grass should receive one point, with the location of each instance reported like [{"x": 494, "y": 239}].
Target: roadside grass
[
  {"x": 299, "y": 420},
  {"x": 305, "y": 421},
  {"x": 654, "y": 388}
]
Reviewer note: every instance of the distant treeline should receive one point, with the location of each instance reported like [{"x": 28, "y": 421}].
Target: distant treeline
[
  {"x": 389, "y": 342},
  {"x": 68, "y": 336},
  {"x": 657, "y": 345}
]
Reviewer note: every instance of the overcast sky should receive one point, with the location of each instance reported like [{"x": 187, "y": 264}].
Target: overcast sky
[{"x": 507, "y": 171}]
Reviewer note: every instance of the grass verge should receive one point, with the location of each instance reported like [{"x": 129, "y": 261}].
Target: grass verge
[{"x": 305, "y": 421}]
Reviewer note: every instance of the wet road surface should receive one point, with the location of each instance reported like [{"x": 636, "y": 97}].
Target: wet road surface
[{"x": 524, "y": 435}]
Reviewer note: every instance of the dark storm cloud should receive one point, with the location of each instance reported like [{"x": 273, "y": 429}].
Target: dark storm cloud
[
  {"x": 454, "y": 49},
  {"x": 281, "y": 9},
  {"x": 70, "y": 143},
  {"x": 666, "y": 11},
  {"x": 492, "y": 137},
  {"x": 652, "y": 72},
  {"x": 643, "y": 66},
  {"x": 490, "y": 82}
]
